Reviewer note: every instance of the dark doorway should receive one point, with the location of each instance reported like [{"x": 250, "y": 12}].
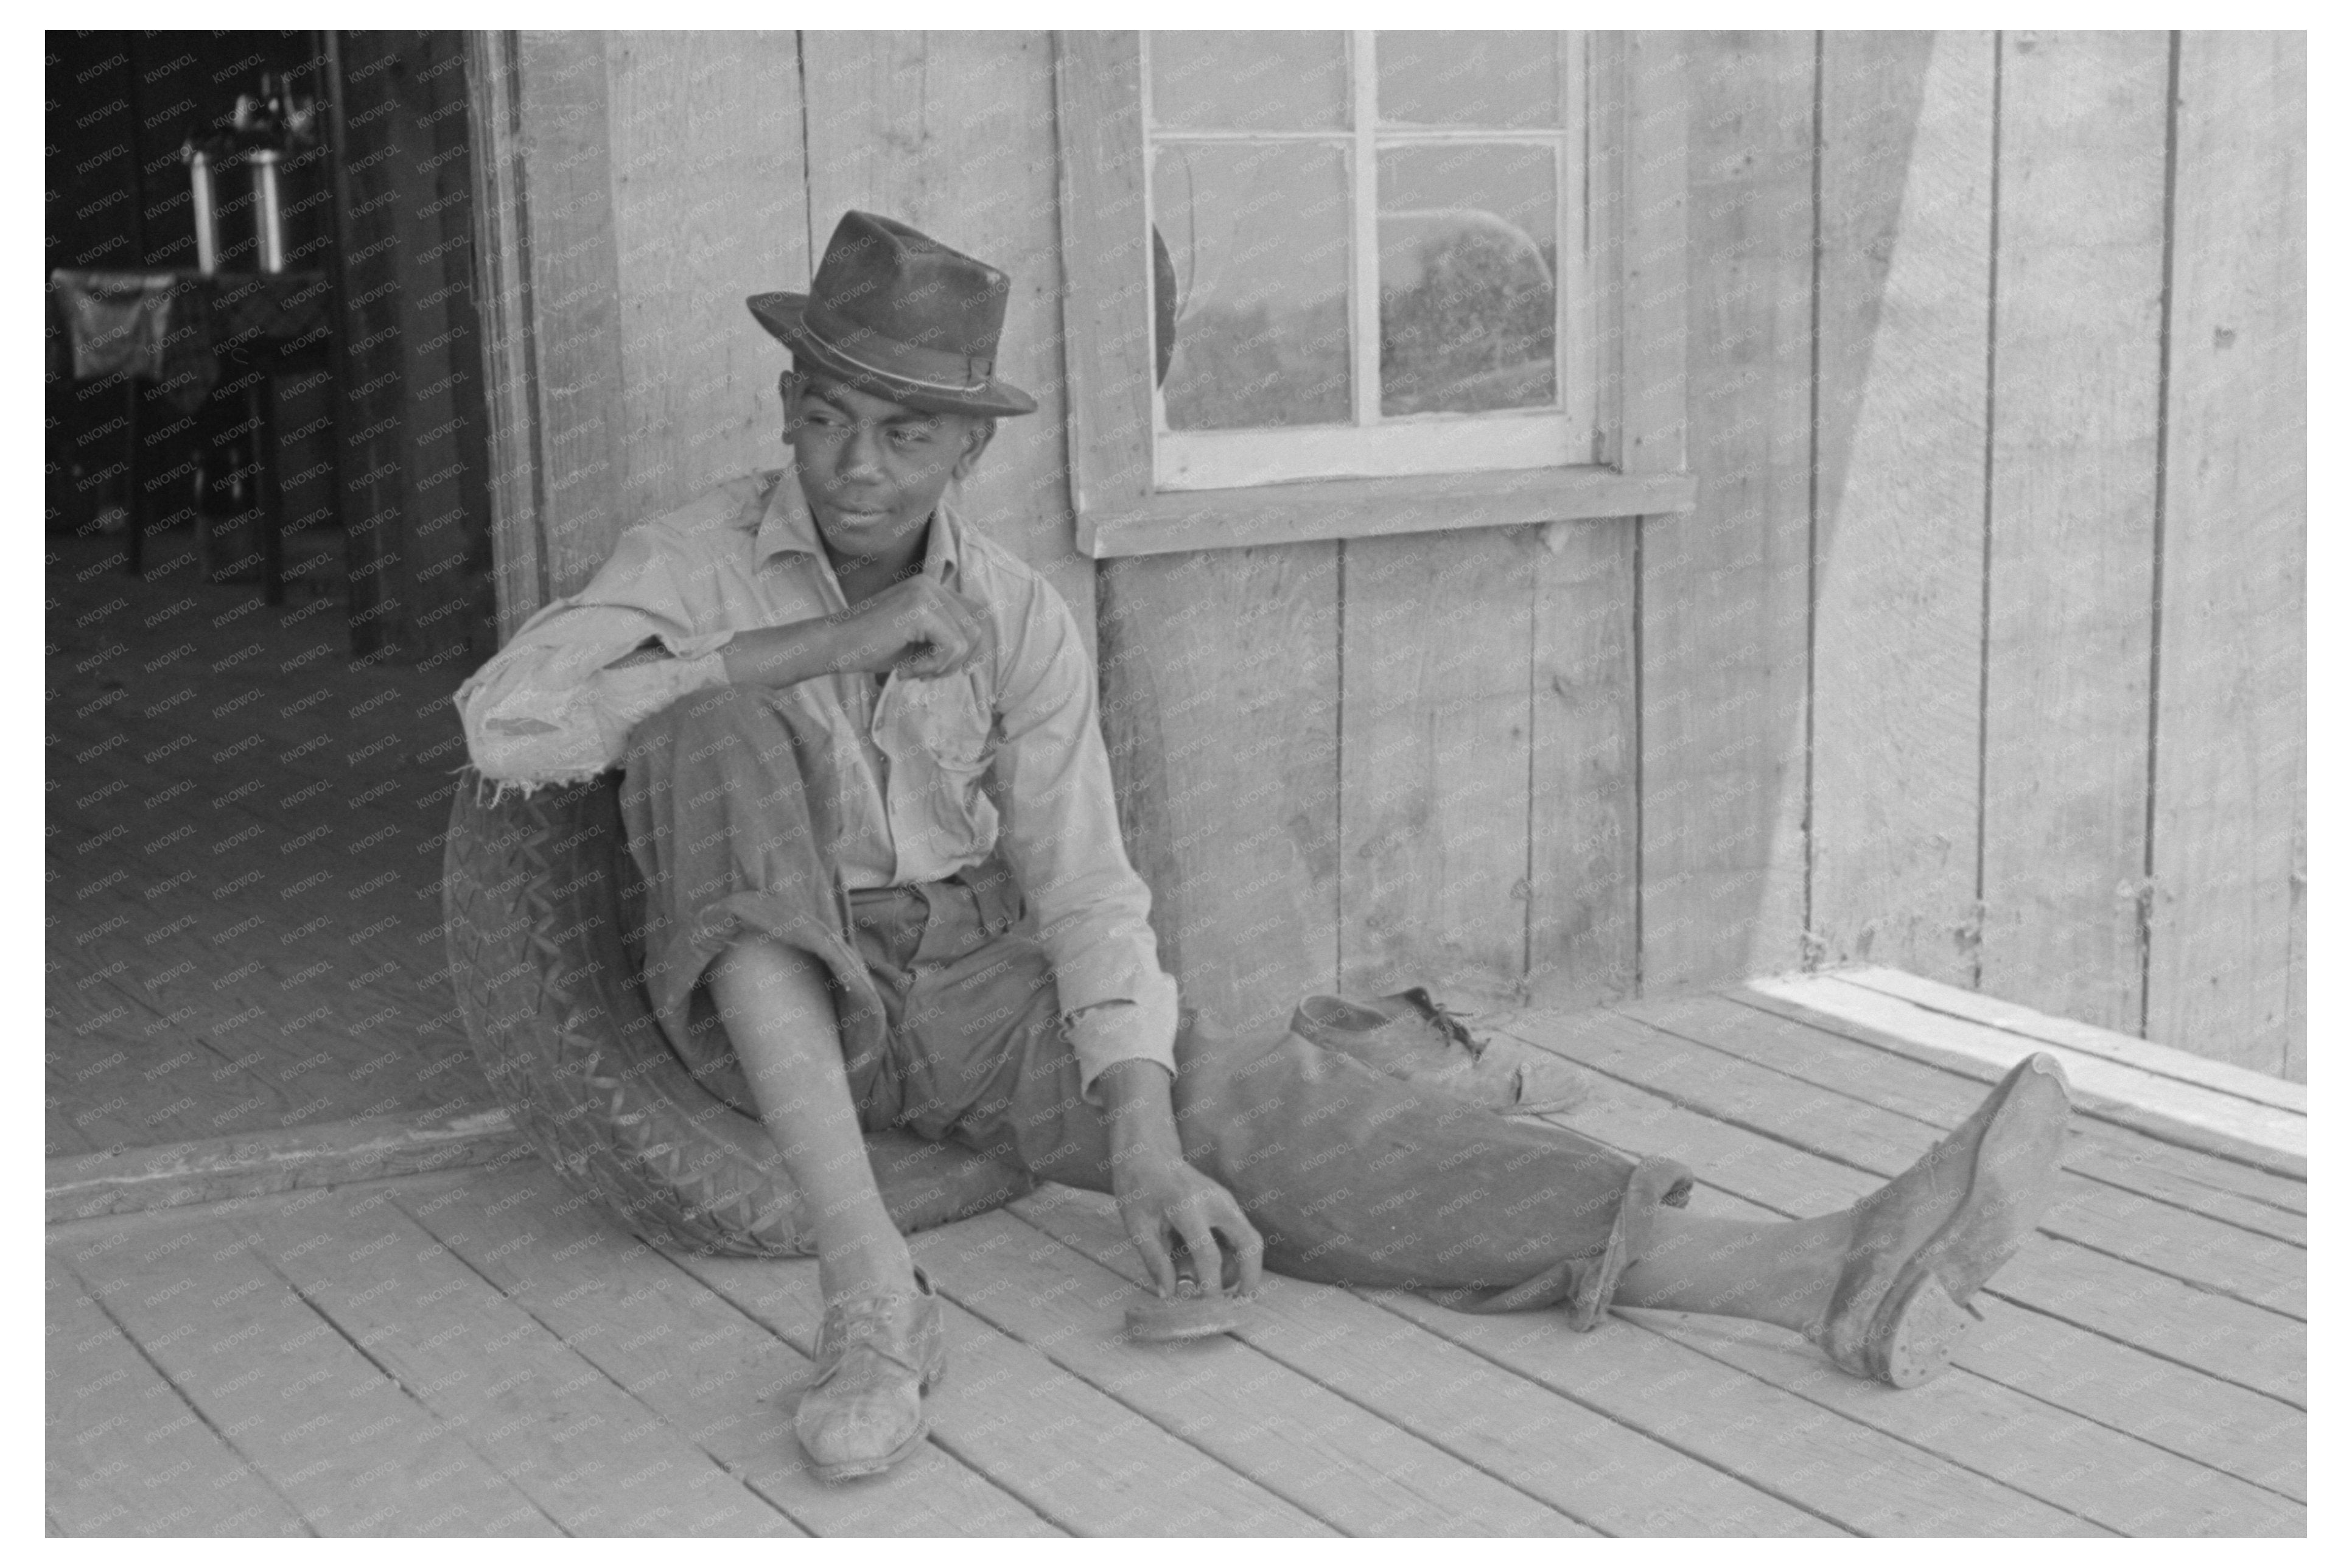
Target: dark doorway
[{"x": 245, "y": 797}]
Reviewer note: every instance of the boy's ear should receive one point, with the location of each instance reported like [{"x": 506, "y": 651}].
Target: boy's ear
[{"x": 978, "y": 433}]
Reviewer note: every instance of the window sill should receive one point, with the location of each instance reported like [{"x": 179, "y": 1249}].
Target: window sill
[{"x": 1178, "y": 520}]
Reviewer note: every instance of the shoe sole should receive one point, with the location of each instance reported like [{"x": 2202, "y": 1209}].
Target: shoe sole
[
  {"x": 1926, "y": 1330},
  {"x": 1920, "y": 1324},
  {"x": 850, "y": 1470}
]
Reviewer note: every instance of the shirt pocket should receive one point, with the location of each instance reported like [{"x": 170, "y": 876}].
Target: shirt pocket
[
  {"x": 955, "y": 723},
  {"x": 953, "y": 732}
]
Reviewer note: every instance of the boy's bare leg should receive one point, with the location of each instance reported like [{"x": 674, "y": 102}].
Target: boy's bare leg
[
  {"x": 1778, "y": 1272},
  {"x": 780, "y": 1019}
]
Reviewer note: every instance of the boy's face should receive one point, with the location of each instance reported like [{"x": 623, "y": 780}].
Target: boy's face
[{"x": 873, "y": 470}]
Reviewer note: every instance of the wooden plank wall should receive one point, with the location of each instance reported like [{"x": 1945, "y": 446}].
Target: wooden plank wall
[
  {"x": 2225, "y": 933},
  {"x": 1906, "y": 184},
  {"x": 1902, "y": 676},
  {"x": 671, "y": 174},
  {"x": 2079, "y": 313},
  {"x": 1725, "y": 614},
  {"x": 1981, "y": 656}
]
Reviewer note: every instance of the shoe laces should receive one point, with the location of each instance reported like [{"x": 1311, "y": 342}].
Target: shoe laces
[
  {"x": 863, "y": 1322},
  {"x": 1452, "y": 1023}
]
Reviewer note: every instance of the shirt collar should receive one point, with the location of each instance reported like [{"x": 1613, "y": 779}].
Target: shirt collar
[{"x": 787, "y": 524}]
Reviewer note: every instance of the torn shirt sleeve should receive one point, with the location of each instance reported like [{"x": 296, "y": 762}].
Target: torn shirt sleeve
[{"x": 550, "y": 706}]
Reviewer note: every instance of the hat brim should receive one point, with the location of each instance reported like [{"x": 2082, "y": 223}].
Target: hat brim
[{"x": 780, "y": 313}]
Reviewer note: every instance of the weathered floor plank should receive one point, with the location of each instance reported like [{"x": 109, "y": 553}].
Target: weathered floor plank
[
  {"x": 329, "y": 1430},
  {"x": 2109, "y": 1477},
  {"x": 593, "y": 1457},
  {"x": 2272, "y": 1187},
  {"x": 480, "y": 1351},
  {"x": 1085, "y": 1462},
  {"x": 1350, "y": 1469},
  {"x": 2213, "y": 1254},
  {"x": 2114, "y": 1155},
  {"x": 2274, "y": 1138},
  {"x": 2252, "y": 1346},
  {"x": 2118, "y": 1384},
  {"x": 1813, "y": 1458},
  {"x": 713, "y": 1374},
  {"x": 126, "y": 1454},
  {"x": 1580, "y": 1462}
]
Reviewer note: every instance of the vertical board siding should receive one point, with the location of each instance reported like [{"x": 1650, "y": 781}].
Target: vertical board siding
[
  {"x": 1582, "y": 821},
  {"x": 1220, "y": 709},
  {"x": 1906, "y": 192},
  {"x": 666, "y": 178},
  {"x": 708, "y": 208},
  {"x": 1968, "y": 557},
  {"x": 1725, "y": 589},
  {"x": 2225, "y": 921},
  {"x": 2075, "y": 361},
  {"x": 574, "y": 281},
  {"x": 1434, "y": 760},
  {"x": 953, "y": 132}
]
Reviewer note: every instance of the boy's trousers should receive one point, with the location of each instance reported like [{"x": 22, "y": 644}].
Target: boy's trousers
[{"x": 951, "y": 1027}]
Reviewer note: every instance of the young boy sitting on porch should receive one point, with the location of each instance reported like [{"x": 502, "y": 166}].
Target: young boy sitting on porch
[{"x": 859, "y": 736}]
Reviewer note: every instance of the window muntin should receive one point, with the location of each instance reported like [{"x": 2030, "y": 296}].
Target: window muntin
[{"x": 1393, "y": 279}]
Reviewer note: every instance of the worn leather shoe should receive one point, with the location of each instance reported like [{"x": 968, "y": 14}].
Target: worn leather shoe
[
  {"x": 876, "y": 1356},
  {"x": 1924, "y": 1243},
  {"x": 1414, "y": 1037}
]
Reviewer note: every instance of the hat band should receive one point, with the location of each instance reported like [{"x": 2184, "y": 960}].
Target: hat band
[{"x": 889, "y": 358}]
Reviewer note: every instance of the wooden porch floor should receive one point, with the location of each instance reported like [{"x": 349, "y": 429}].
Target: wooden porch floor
[{"x": 477, "y": 1352}]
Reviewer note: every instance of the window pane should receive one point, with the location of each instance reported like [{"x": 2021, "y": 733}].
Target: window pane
[
  {"x": 1257, "y": 246},
  {"x": 1505, "y": 81},
  {"x": 1468, "y": 256},
  {"x": 1249, "y": 82}
]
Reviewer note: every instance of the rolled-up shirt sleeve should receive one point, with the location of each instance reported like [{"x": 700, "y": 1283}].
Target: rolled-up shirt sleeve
[
  {"x": 550, "y": 709},
  {"x": 1059, "y": 834}
]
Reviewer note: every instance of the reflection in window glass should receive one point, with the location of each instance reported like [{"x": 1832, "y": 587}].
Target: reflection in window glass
[
  {"x": 1257, "y": 245},
  {"x": 1504, "y": 81},
  {"x": 1468, "y": 256},
  {"x": 1250, "y": 81}
]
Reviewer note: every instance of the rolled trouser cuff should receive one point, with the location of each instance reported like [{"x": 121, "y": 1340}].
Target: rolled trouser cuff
[
  {"x": 1585, "y": 1286},
  {"x": 688, "y": 1018}
]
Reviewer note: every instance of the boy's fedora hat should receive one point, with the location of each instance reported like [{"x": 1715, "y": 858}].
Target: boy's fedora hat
[{"x": 894, "y": 312}]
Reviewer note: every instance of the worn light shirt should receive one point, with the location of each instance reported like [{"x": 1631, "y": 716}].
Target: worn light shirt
[{"x": 933, "y": 775}]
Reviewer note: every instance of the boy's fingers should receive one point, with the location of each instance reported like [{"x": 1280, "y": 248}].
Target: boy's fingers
[
  {"x": 1251, "y": 1248},
  {"x": 1155, "y": 1257},
  {"x": 1208, "y": 1258}
]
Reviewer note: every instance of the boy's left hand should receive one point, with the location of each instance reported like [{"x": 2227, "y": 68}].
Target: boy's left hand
[{"x": 1160, "y": 1198}]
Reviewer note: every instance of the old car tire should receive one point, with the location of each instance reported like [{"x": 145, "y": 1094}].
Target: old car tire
[{"x": 536, "y": 892}]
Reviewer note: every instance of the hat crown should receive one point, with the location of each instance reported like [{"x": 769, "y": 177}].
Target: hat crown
[
  {"x": 893, "y": 311},
  {"x": 882, "y": 277}
]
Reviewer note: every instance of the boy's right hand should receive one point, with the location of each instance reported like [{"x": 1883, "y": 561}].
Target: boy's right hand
[{"x": 916, "y": 627}]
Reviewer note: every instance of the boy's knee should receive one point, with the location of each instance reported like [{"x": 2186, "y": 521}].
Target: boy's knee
[{"x": 704, "y": 719}]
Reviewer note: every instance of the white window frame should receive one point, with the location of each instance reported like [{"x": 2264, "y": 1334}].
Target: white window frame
[
  {"x": 1373, "y": 444},
  {"x": 1124, "y": 506}
]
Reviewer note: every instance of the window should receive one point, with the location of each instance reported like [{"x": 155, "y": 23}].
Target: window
[
  {"x": 1368, "y": 254},
  {"x": 1324, "y": 284}
]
